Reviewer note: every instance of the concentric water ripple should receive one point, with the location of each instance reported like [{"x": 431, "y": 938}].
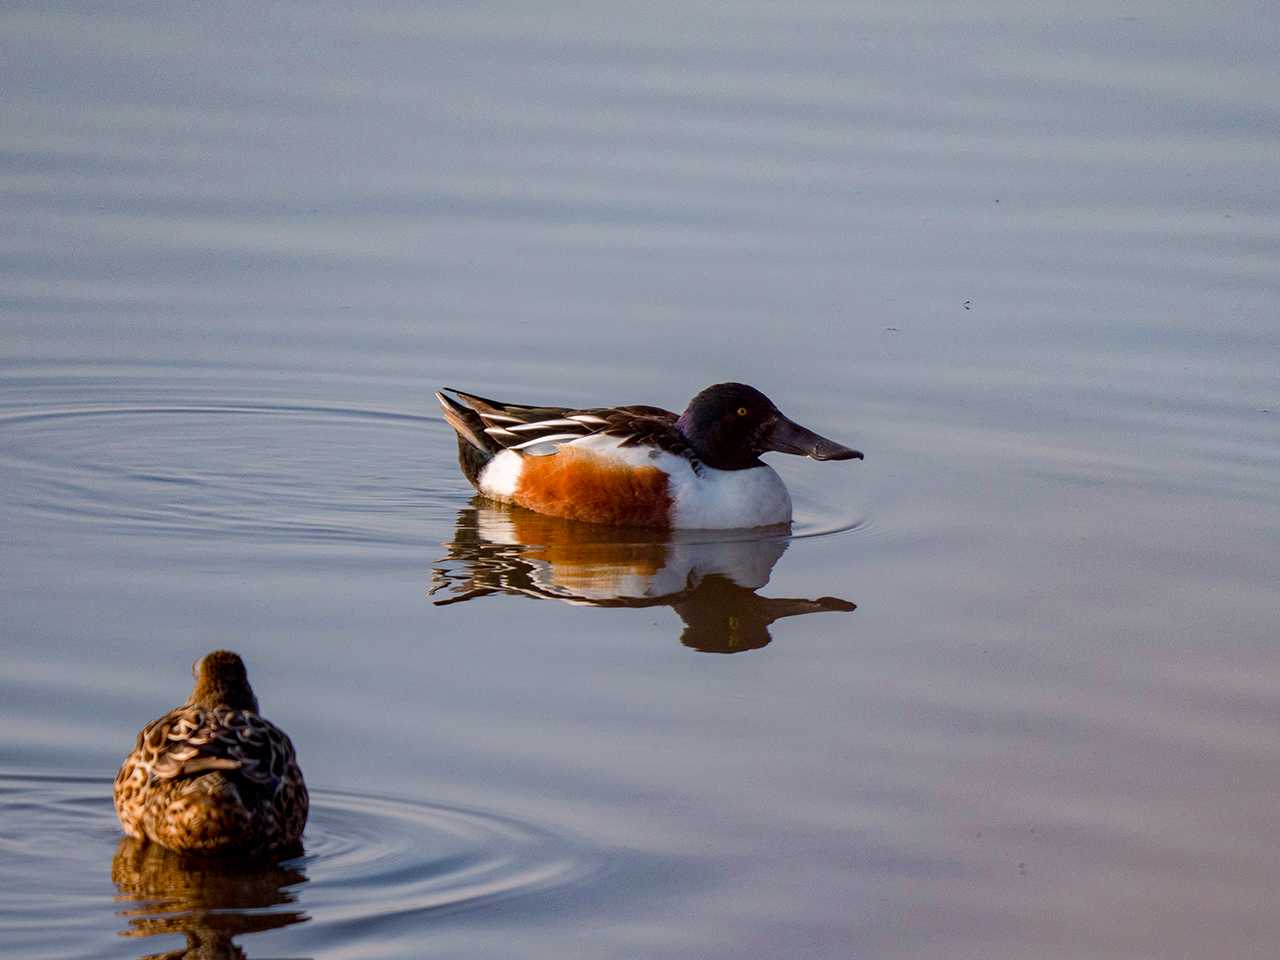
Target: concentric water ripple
[
  {"x": 368, "y": 861},
  {"x": 387, "y": 857},
  {"x": 258, "y": 472}
]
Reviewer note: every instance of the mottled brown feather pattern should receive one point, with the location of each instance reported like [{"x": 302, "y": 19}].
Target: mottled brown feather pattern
[{"x": 212, "y": 779}]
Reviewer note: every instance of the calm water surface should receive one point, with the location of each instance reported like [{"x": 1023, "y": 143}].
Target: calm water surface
[{"x": 1009, "y": 688}]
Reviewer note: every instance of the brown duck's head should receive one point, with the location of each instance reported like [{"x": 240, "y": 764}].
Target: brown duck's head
[{"x": 221, "y": 679}]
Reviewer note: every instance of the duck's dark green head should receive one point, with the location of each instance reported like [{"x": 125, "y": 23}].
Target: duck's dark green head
[
  {"x": 729, "y": 425},
  {"x": 221, "y": 680}
]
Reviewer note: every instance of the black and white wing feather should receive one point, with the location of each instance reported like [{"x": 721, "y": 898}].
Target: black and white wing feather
[{"x": 539, "y": 431}]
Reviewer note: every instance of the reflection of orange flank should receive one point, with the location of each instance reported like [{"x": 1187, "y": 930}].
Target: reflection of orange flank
[
  {"x": 579, "y": 485},
  {"x": 583, "y": 556},
  {"x": 585, "y": 559}
]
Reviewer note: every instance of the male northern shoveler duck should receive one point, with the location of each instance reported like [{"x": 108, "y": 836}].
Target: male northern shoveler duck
[
  {"x": 637, "y": 465},
  {"x": 213, "y": 776}
]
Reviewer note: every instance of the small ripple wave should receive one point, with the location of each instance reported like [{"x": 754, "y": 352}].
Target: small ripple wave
[
  {"x": 387, "y": 857},
  {"x": 248, "y": 471},
  {"x": 370, "y": 863}
]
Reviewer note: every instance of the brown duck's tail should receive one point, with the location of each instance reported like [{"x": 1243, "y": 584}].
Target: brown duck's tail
[
  {"x": 475, "y": 447},
  {"x": 211, "y": 814}
]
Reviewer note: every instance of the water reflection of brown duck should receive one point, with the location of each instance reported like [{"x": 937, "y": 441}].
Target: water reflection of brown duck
[
  {"x": 208, "y": 901},
  {"x": 710, "y": 582}
]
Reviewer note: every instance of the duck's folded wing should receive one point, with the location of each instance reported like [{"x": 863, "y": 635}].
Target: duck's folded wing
[
  {"x": 645, "y": 426},
  {"x": 498, "y": 411},
  {"x": 540, "y": 430},
  {"x": 516, "y": 426},
  {"x": 192, "y": 741}
]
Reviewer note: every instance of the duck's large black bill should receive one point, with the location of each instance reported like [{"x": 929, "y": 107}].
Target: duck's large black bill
[{"x": 787, "y": 436}]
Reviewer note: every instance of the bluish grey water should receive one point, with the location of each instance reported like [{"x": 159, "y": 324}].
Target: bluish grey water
[{"x": 1009, "y": 689}]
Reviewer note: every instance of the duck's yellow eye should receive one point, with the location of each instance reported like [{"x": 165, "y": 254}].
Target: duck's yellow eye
[{"x": 742, "y": 411}]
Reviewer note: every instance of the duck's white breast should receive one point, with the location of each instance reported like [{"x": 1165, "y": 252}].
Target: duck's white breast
[{"x": 721, "y": 499}]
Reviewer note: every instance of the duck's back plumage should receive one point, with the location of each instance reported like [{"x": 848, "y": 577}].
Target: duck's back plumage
[
  {"x": 535, "y": 430},
  {"x": 212, "y": 780}
]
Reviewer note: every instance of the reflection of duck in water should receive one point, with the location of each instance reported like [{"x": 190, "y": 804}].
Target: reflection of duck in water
[
  {"x": 711, "y": 584},
  {"x": 637, "y": 466},
  {"x": 213, "y": 776},
  {"x": 207, "y": 901}
]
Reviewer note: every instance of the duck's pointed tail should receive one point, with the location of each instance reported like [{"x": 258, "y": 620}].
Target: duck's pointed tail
[{"x": 475, "y": 447}]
